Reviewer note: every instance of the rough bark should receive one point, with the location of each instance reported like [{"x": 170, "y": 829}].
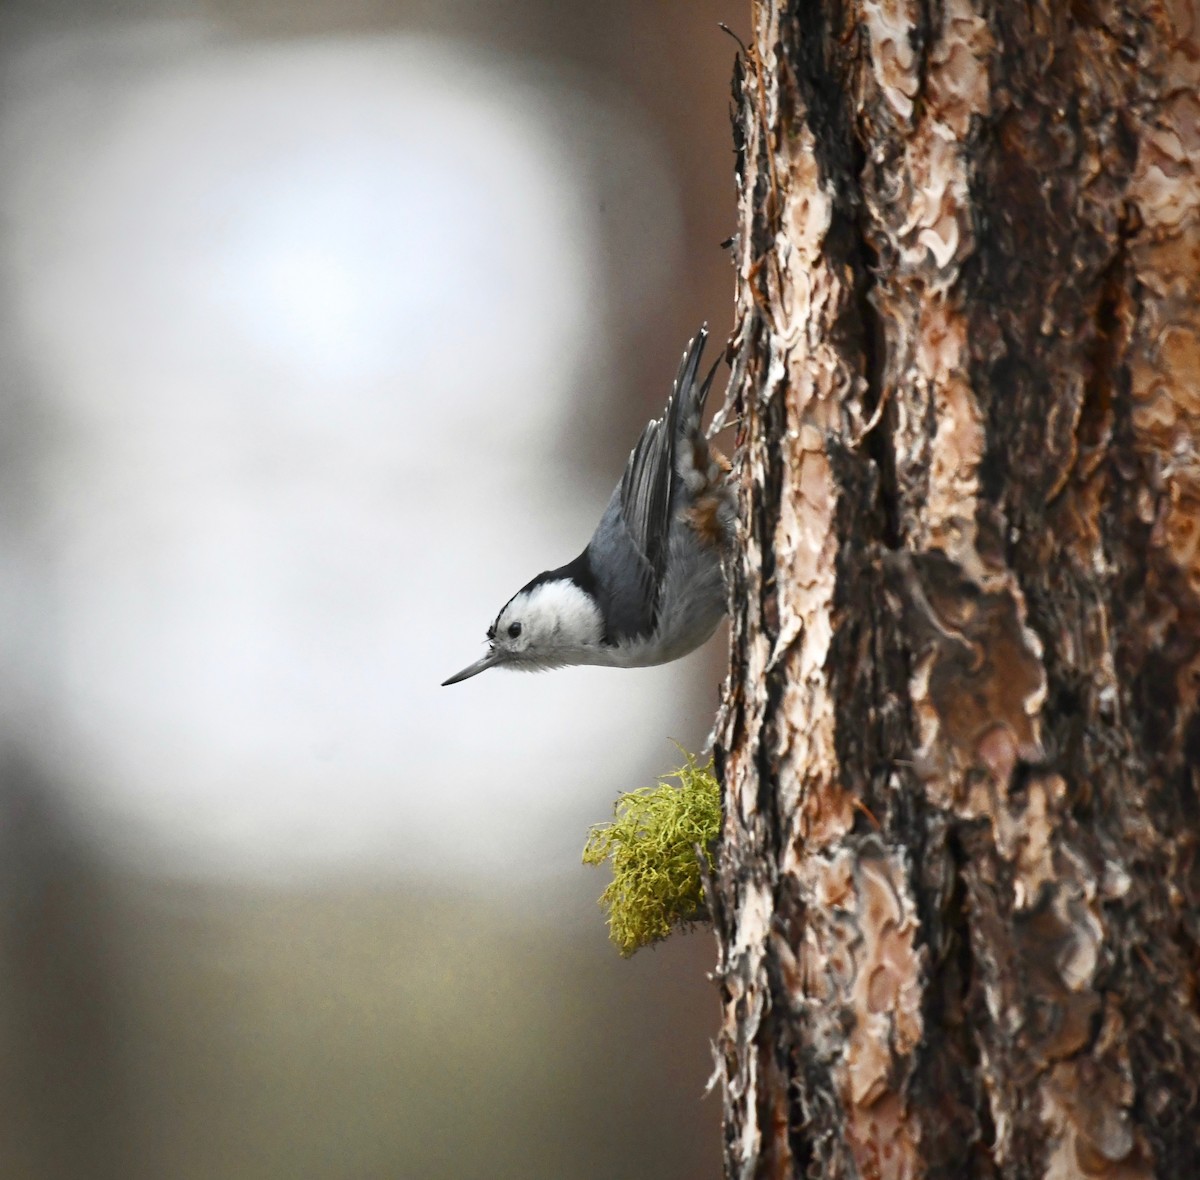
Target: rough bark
[{"x": 958, "y": 894}]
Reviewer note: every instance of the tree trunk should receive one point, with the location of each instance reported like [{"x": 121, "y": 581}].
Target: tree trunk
[{"x": 958, "y": 894}]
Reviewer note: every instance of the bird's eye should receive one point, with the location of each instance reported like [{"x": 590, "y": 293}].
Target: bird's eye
[{"x": 514, "y": 629}]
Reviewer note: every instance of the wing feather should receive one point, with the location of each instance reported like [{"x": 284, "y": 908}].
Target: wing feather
[{"x": 647, "y": 489}]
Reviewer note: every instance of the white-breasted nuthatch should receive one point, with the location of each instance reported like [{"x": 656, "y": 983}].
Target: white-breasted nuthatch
[{"x": 649, "y": 587}]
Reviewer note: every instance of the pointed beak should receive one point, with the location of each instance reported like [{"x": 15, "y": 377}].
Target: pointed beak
[{"x": 480, "y": 665}]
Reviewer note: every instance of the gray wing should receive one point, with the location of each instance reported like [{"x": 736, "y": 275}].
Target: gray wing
[{"x": 628, "y": 552}]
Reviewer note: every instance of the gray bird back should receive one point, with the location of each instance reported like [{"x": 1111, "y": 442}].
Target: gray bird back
[{"x": 629, "y": 550}]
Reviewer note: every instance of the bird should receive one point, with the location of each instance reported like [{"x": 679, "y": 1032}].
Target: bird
[{"x": 649, "y": 586}]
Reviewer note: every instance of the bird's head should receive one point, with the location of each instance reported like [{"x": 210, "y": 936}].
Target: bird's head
[{"x": 549, "y": 623}]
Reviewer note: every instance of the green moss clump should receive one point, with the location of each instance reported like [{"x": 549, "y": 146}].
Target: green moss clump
[{"x": 652, "y": 844}]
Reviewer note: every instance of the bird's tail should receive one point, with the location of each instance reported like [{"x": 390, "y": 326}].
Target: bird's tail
[
  {"x": 695, "y": 461},
  {"x": 690, "y": 393}
]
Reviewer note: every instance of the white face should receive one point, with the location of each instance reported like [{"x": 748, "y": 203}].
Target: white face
[
  {"x": 547, "y": 625},
  {"x": 551, "y": 624}
]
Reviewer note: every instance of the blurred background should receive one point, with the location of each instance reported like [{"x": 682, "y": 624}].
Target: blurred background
[{"x": 324, "y": 325}]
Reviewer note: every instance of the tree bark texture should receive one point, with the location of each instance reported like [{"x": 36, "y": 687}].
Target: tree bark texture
[{"x": 957, "y": 899}]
